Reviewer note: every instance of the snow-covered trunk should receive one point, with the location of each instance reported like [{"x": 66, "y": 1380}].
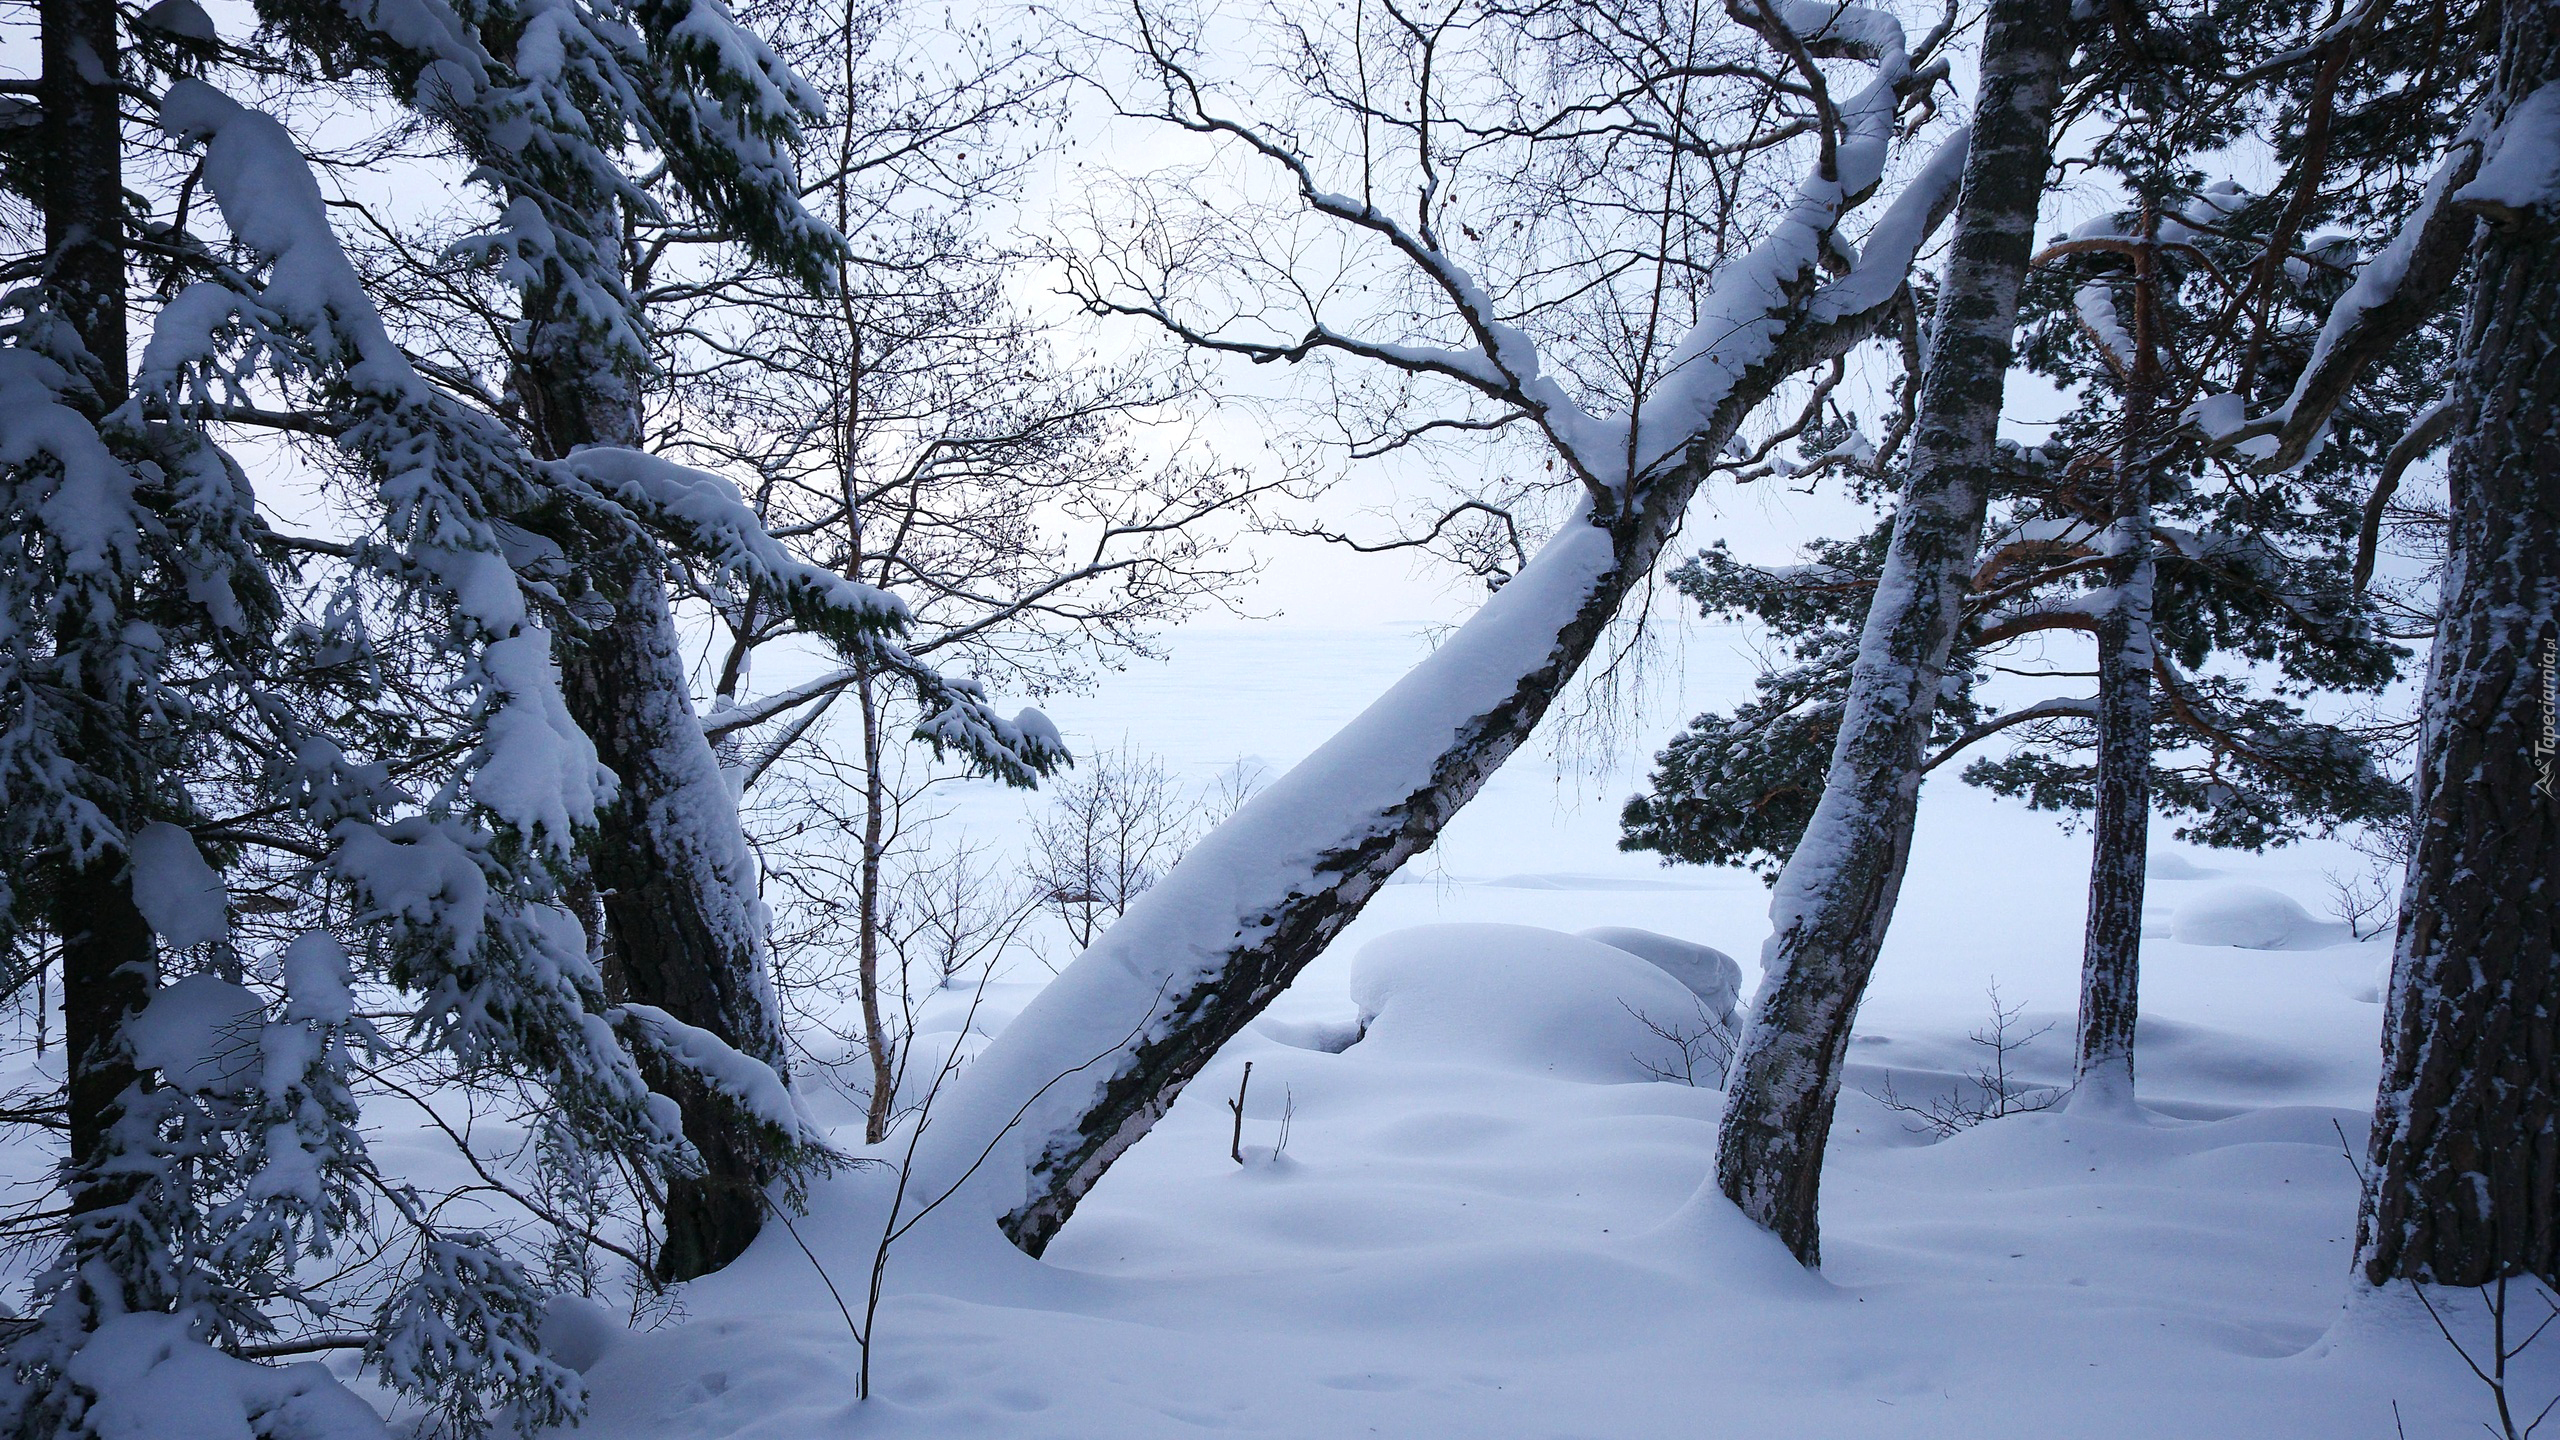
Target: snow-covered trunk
[
  {"x": 1837, "y": 893},
  {"x": 2464, "y": 1177},
  {"x": 1086, "y": 1069},
  {"x": 1100, "y": 1054},
  {"x": 2120, "y": 831},
  {"x": 108, "y": 957},
  {"x": 684, "y": 927},
  {"x": 1263, "y": 895}
]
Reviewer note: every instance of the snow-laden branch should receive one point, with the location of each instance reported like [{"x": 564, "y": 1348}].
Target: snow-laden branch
[
  {"x": 746, "y": 1082},
  {"x": 2061, "y": 709},
  {"x": 706, "y": 513},
  {"x": 1746, "y": 312},
  {"x": 436, "y": 467},
  {"x": 2393, "y": 293}
]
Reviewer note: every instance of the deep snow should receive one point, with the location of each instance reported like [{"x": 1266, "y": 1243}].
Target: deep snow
[{"x": 1497, "y": 1227}]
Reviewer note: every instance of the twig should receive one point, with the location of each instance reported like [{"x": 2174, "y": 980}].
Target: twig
[{"x": 1235, "y": 1144}]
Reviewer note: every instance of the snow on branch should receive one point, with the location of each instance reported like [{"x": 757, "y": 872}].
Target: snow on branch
[
  {"x": 746, "y": 1082},
  {"x": 499, "y": 972},
  {"x": 705, "y": 513},
  {"x": 1748, "y": 308},
  {"x": 439, "y": 469},
  {"x": 2393, "y": 292},
  {"x": 2065, "y": 709},
  {"x": 2520, "y": 164}
]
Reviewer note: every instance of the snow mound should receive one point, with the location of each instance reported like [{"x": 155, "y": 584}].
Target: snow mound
[
  {"x": 2170, "y": 865},
  {"x": 1711, "y": 975},
  {"x": 1515, "y": 997},
  {"x": 1331, "y": 1037},
  {"x": 2251, "y": 917},
  {"x": 578, "y": 1332},
  {"x": 156, "y": 1381}
]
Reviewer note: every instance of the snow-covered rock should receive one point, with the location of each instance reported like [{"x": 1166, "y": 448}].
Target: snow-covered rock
[
  {"x": 2251, "y": 917},
  {"x": 1711, "y": 975},
  {"x": 1516, "y": 997}
]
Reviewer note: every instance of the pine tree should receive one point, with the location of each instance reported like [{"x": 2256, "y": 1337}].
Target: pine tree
[
  {"x": 170, "y": 671},
  {"x": 2259, "y": 572},
  {"x": 2463, "y": 1176}
]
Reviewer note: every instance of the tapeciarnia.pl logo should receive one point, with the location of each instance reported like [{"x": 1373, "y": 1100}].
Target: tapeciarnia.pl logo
[{"x": 2546, "y": 741}]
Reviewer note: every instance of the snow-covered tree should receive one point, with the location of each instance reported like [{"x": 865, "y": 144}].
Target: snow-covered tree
[
  {"x": 1629, "y": 335},
  {"x": 2149, "y": 85},
  {"x": 619, "y": 146},
  {"x": 1837, "y": 892},
  {"x": 386, "y": 751}
]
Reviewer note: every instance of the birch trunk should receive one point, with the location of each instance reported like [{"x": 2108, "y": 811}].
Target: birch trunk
[
  {"x": 1103, "y": 1050},
  {"x": 1837, "y": 893},
  {"x": 2464, "y": 1179},
  {"x": 876, "y": 1039},
  {"x": 683, "y": 925}
]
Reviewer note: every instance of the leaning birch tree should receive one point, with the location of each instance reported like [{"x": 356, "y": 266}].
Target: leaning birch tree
[{"x": 1408, "y": 119}]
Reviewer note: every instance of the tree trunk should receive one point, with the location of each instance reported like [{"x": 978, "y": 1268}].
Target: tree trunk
[
  {"x": 109, "y": 959},
  {"x": 1087, "y": 1068},
  {"x": 684, "y": 927},
  {"x": 1836, "y": 895},
  {"x": 876, "y": 1038},
  {"x": 2464, "y": 1178},
  {"x": 2111, "y": 945}
]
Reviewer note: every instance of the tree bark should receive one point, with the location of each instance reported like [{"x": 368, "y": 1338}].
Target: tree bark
[
  {"x": 109, "y": 956},
  {"x": 876, "y": 1038},
  {"x": 1836, "y": 895},
  {"x": 683, "y": 925},
  {"x": 2464, "y": 1177},
  {"x": 2120, "y": 831},
  {"x": 83, "y": 179}
]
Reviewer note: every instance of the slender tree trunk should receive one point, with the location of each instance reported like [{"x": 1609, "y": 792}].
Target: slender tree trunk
[
  {"x": 684, "y": 927},
  {"x": 2111, "y": 946},
  {"x": 109, "y": 963},
  {"x": 2120, "y": 833},
  {"x": 2464, "y": 1180},
  {"x": 875, "y": 807},
  {"x": 1837, "y": 893}
]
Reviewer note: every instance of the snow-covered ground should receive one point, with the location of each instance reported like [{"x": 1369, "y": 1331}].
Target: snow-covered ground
[{"x": 1489, "y": 1221}]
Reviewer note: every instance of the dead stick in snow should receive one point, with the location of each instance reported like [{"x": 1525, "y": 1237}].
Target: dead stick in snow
[{"x": 1235, "y": 1145}]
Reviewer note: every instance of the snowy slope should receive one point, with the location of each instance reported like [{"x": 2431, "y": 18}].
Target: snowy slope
[{"x": 1507, "y": 1237}]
